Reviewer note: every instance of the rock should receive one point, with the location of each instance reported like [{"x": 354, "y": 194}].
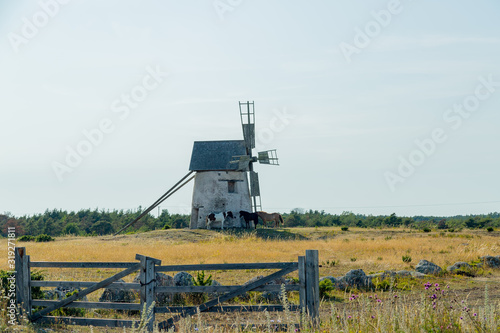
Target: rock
[
  {"x": 427, "y": 267},
  {"x": 490, "y": 261},
  {"x": 331, "y": 278},
  {"x": 183, "y": 279},
  {"x": 404, "y": 273},
  {"x": 458, "y": 265},
  {"x": 117, "y": 295},
  {"x": 354, "y": 278},
  {"x": 418, "y": 275},
  {"x": 60, "y": 293},
  {"x": 162, "y": 280}
]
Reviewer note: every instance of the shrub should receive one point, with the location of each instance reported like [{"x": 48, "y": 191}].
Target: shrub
[
  {"x": 426, "y": 230},
  {"x": 166, "y": 226},
  {"x": 406, "y": 259},
  {"x": 26, "y": 238},
  {"x": 353, "y": 259},
  {"x": 44, "y": 238},
  {"x": 344, "y": 228},
  {"x": 76, "y": 312},
  {"x": 451, "y": 230},
  {"x": 325, "y": 286},
  {"x": 490, "y": 229}
]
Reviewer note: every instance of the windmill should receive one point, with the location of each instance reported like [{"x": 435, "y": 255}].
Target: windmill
[
  {"x": 245, "y": 162},
  {"x": 221, "y": 183}
]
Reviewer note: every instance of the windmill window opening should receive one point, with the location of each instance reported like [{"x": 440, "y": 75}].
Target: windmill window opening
[{"x": 231, "y": 186}]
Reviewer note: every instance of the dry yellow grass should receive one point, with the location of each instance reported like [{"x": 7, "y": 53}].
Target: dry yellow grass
[{"x": 369, "y": 249}]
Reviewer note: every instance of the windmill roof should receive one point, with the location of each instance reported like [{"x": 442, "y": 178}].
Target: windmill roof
[{"x": 216, "y": 155}]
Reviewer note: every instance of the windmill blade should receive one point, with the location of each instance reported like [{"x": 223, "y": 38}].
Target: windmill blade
[
  {"x": 243, "y": 162},
  {"x": 254, "y": 184},
  {"x": 268, "y": 157},
  {"x": 247, "y": 115}
]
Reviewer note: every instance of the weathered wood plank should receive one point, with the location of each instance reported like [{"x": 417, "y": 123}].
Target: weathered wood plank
[
  {"x": 223, "y": 298},
  {"x": 229, "y": 308},
  {"x": 79, "y": 284},
  {"x": 213, "y": 289},
  {"x": 212, "y": 267},
  {"x": 87, "y": 321},
  {"x": 312, "y": 285},
  {"x": 92, "y": 305},
  {"x": 19, "y": 253},
  {"x": 85, "y": 292},
  {"x": 69, "y": 264},
  {"x": 26, "y": 285},
  {"x": 302, "y": 282}
]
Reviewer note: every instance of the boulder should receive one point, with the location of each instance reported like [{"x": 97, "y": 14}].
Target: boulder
[
  {"x": 418, "y": 275},
  {"x": 427, "y": 267},
  {"x": 117, "y": 295},
  {"x": 183, "y": 279},
  {"x": 458, "y": 265},
  {"x": 60, "y": 293},
  {"x": 354, "y": 278},
  {"x": 331, "y": 278},
  {"x": 162, "y": 280},
  {"x": 490, "y": 261}
]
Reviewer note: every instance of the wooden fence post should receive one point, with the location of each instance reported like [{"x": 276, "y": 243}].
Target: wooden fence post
[
  {"x": 147, "y": 278},
  {"x": 26, "y": 285},
  {"x": 312, "y": 285},
  {"x": 23, "y": 280},
  {"x": 302, "y": 283}
]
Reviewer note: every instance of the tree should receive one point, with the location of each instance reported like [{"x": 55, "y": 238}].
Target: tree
[
  {"x": 71, "y": 229},
  {"x": 102, "y": 228}
]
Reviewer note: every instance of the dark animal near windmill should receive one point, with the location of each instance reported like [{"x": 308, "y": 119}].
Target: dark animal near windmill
[{"x": 250, "y": 217}]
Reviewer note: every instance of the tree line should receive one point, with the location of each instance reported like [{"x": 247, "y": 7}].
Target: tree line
[{"x": 87, "y": 222}]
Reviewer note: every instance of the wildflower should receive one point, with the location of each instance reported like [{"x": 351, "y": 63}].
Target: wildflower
[
  {"x": 436, "y": 285},
  {"x": 395, "y": 296},
  {"x": 349, "y": 317},
  {"x": 373, "y": 317},
  {"x": 379, "y": 300},
  {"x": 475, "y": 314},
  {"x": 461, "y": 318}
]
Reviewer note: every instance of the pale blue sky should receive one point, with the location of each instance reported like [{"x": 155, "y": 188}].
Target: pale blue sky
[{"x": 350, "y": 121}]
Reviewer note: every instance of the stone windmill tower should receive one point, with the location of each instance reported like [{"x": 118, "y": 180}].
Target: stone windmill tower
[{"x": 225, "y": 180}]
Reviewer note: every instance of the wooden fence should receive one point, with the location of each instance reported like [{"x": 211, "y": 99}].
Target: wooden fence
[{"x": 308, "y": 288}]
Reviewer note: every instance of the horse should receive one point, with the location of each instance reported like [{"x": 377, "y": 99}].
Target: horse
[
  {"x": 250, "y": 217},
  {"x": 218, "y": 217},
  {"x": 269, "y": 217}
]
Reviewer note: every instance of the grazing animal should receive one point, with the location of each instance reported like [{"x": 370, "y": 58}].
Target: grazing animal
[
  {"x": 218, "y": 217},
  {"x": 270, "y": 217},
  {"x": 250, "y": 217}
]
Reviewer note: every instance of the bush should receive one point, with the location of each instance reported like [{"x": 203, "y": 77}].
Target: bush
[
  {"x": 426, "y": 230},
  {"x": 344, "y": 228},
  {"x": 490, "y": 229},
  {"x": 44, "y": 238},
  {"x": 26, "y": 238},
  {"x": 36, "y": 292},
  {"x": 325, "y": 286},
  {"x": 166, "y": 226},
  {"x": 406, "y": 259},
  {"x": 64, "y": 312}
]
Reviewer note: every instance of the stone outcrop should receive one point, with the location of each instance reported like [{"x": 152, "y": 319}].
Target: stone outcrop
[
  {"x": 354, "y": 278},
  {"x": 458, "y": 265},
  {"x": 117, "y": 295},
  {"x": 491, "y": 261},
  {"x": 427, "y": 267}
]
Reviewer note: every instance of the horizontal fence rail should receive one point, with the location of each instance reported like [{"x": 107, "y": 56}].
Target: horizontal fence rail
[{"x": 308, "y": 288}]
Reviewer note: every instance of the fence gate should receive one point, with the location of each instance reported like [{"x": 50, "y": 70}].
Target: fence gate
[{"x": 308, "y": 288}]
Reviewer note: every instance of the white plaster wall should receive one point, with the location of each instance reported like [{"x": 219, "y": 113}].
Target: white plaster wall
[{"x": 210, "y": 194}]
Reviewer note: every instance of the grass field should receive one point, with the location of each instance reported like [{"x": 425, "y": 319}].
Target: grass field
[{"x": 372, "y": 250}]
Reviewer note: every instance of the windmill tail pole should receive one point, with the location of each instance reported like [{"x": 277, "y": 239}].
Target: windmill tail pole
[{"x": 167, "y": 194}]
